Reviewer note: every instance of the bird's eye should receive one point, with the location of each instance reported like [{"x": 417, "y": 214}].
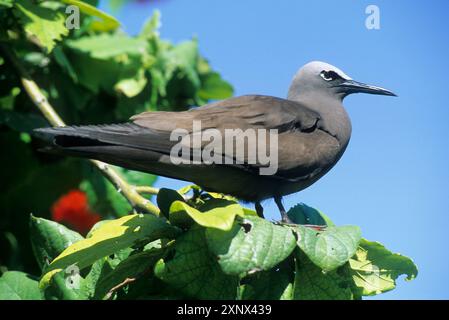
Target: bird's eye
[{"x": 329, "y": 75}]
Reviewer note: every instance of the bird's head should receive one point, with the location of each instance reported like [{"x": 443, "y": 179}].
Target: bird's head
[{"x": 320, "y": 78}]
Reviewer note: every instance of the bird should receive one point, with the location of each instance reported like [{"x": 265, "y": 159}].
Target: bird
[{"x": 312, "y": 126}]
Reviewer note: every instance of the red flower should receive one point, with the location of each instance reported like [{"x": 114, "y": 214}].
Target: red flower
[{"x": 73, "y": 210}]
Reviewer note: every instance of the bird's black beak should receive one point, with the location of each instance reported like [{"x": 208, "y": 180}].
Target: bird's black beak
[{"x": 351, "y": 86}]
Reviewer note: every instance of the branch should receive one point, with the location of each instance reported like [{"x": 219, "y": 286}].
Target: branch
[
  {"x": 130, "y": 192},
  {"x": 117, "y": 287}
]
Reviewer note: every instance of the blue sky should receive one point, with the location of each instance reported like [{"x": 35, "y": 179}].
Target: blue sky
[{"x": 393, "y": 180}]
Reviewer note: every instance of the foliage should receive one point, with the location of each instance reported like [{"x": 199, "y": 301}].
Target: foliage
[
  {"x": 255, "y": 259},
  {"x": 203, "y": 245},
  {"x": 90, "y": 76}
]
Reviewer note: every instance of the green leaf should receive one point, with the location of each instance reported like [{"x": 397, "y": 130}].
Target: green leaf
[
  {"x": 49, "y": 239},
  {"x": 330, "y": 248},
  {"x": 215, "y": 213},
  {"x": 7, "y": 101},
  {"x": 194, "y": 270},
  {"x": 183, "y": 58},
  {"x": 133, "y": 85},
  {"x": 191, "y": 187},
  {"x": 214, "y": 87},
  {"x": 303, "y": 214},
  {"x": 107, "y": 22},
  {"x": 269, "y": 285},
  {"x": 100, "y": 269},
  {"x": 131, "y": 268},
  {"x": 6, "y": 3},
  {"x": 118, "y": 61},
  {"x": 253, "y": 244},
  {"x": 151, "y": 26},
  {"x": 106, "y": 46},
  {"x": 165, "y": 198},
  {"x": 45, "y": 24},
  {"x": 375, "y": 269},
  {"x": 16, "y": 285},
  {"x": 59, "y": 288},
  {"x": 311, "y": 283},
  {"x": 107, "y": 239}
]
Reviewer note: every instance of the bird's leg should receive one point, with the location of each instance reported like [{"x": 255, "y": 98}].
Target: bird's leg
[
  {"x": 285, "y": 218},
  {"x": 259, "y": 210}
]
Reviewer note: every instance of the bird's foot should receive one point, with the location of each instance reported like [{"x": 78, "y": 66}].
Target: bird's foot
[{"x": 285, "y": 218}]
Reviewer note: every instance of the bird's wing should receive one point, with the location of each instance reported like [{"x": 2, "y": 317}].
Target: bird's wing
[
  {"x": 293, "y": 121},
  {"x": 150, "y": 132},
  {"x": 245, "y": 112}
]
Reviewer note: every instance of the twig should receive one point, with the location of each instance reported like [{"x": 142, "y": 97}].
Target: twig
[
  {"x": 130, "y": 192},
  {"x": 117, "y": 287},
  {"x": 146, "y": 190}
]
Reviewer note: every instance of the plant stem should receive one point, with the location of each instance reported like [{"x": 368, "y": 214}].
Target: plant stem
[
  {"x": 130, "y": 192},
  {"x": 147, "y": 190}
]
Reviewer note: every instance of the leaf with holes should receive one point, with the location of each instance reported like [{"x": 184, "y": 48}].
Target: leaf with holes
[
  {"x": 375, "y": 269},
  {"x": 215, "y": 213},
  {"x": 330, "y": 248},
  {"x": 253, "y": 244},
  {"x": 194, "y": 270},
  {"x": 108, "y": 238}
]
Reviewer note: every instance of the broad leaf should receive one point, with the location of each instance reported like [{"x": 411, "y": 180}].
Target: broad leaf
[
  {"x": 214, "y": 87},
  {"x": 330, "y": 248},
  {"x": 311, "y": 283},
  {"x": 49, "y": 239},
  {"x": 182, "y": 57},
  {"x": 15, "y": 285},
  {"x": 109, "y": 238},
  {"x": 107, "y": 22},
  {"x": 99, "y": 270},
  {"x": 107, "y": 46},
  {"x": 67, "y": 285},
  {"x": 165, "y": 198},
  {"x": 303, "y": 214},
  {"x": 131, "y": 268},
  {"x": 269, "y": 285},
  {"x": 194, "y": 270},
  {"x": 117, "y": 59},
  {"x": 131, "y": 85},
  {"x": 215, "y": 213},
  {"x": 45, "y": 24},
  {"x": 375, "y": 269},
  {"x": 253, "y": 244}
]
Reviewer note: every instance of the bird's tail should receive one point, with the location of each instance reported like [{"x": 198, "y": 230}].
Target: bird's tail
[{"x": 128, "y": 145}]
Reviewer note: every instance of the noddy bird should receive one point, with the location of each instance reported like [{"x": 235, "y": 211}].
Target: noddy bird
[{"x": 313, "y": 133}]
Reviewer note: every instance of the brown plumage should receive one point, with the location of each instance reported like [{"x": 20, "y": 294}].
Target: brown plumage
[{"x": 313, "y": 132}]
